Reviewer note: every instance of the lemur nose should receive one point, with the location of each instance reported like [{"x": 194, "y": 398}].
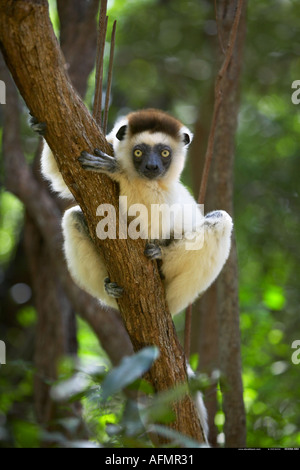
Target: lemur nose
[{"x": 152, "y": 166}]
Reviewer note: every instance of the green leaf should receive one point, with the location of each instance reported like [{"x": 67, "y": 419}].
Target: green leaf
[
  {"x": 130, "y": 369},
  {"x": 26, "y": 316},
  {"x": 194, "y": 361},
  {"x": 274, "y": 298}
]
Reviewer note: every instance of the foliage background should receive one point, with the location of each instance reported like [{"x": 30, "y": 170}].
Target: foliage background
[{"x": 165, "y": 58}]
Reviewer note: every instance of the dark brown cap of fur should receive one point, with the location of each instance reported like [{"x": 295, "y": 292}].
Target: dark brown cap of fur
[{"x": 153, "y": 120}]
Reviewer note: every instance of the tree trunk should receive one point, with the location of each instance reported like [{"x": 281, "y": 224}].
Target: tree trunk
[
  {"x": 33, "y": 56},
  {"x": 220, "y": 327}
]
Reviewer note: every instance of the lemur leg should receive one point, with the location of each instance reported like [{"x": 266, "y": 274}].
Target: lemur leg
[
  {"x": 50, "y": 171},
  {"x": 49, "y": 168},
  {"x": 84, "y": 262},
  {"x": 188, "y": 272}
]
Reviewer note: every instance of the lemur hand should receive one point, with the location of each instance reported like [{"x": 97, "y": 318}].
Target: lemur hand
[{"x": 100, "y": 162}]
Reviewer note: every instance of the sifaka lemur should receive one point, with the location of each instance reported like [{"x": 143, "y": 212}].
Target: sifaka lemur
[{"x": 150, "y": 149}]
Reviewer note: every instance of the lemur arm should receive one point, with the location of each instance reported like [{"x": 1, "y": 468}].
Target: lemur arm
[
  {"x": 100, "y": 162},
  {"x": 187, "y": 273}
]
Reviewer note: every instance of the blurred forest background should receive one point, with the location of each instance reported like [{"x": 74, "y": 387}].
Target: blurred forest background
[{"x": 166, "y": 58}]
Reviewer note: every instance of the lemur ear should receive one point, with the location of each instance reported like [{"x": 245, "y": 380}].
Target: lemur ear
[
  {"x": 121, "y": 133},
  {"x": 186, "y": 139},
  {"x": 186, "y": 136}
]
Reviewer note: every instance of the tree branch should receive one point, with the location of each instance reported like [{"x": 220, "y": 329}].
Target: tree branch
[{"x": 34, "y": 58}]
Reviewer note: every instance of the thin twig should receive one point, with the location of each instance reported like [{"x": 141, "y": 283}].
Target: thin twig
[
  {"x": 109, "y": 77},
  {"x": 99, "y": 62}
]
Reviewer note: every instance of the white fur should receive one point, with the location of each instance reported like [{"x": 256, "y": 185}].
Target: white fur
[
  {"x": 51, "y": 172},
  {"x": 84, "y": 262}
]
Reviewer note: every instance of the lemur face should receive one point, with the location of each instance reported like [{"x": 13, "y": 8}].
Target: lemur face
[
  {"x": 152, "y": 140},
  {"x": 151, "y": 161}
]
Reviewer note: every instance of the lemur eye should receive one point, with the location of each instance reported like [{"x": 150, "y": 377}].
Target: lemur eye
[
  {"x": 138, "y": 153},
  {"x": 165, "y": 153}
]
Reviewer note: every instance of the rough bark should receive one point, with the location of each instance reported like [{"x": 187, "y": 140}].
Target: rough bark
[
  {"x": 222, "y": 330},
  {"x": 33, "y": 56}
]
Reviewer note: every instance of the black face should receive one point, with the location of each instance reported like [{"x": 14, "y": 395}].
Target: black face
[{"x": 152, "y": 162}]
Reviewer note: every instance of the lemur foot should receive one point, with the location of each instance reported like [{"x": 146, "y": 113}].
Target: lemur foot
[
  {"x": 153, "y": 251},
  {"x": 99, "y": 162},
  {"x": 218, "y": 220},
  {"x": 36, "y": 126},
  {"x": 112, "y": 289}
]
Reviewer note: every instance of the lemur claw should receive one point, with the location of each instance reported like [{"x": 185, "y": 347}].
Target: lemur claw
[
  {"x": 216, "y": 214},
  {"x": 153, "y": 251},
  {"x": 112, "y": 289},
  {"x": 217, "y": 220},
  {"x": 36, "y": 126},
  {"x": 99, "y": 153}
]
